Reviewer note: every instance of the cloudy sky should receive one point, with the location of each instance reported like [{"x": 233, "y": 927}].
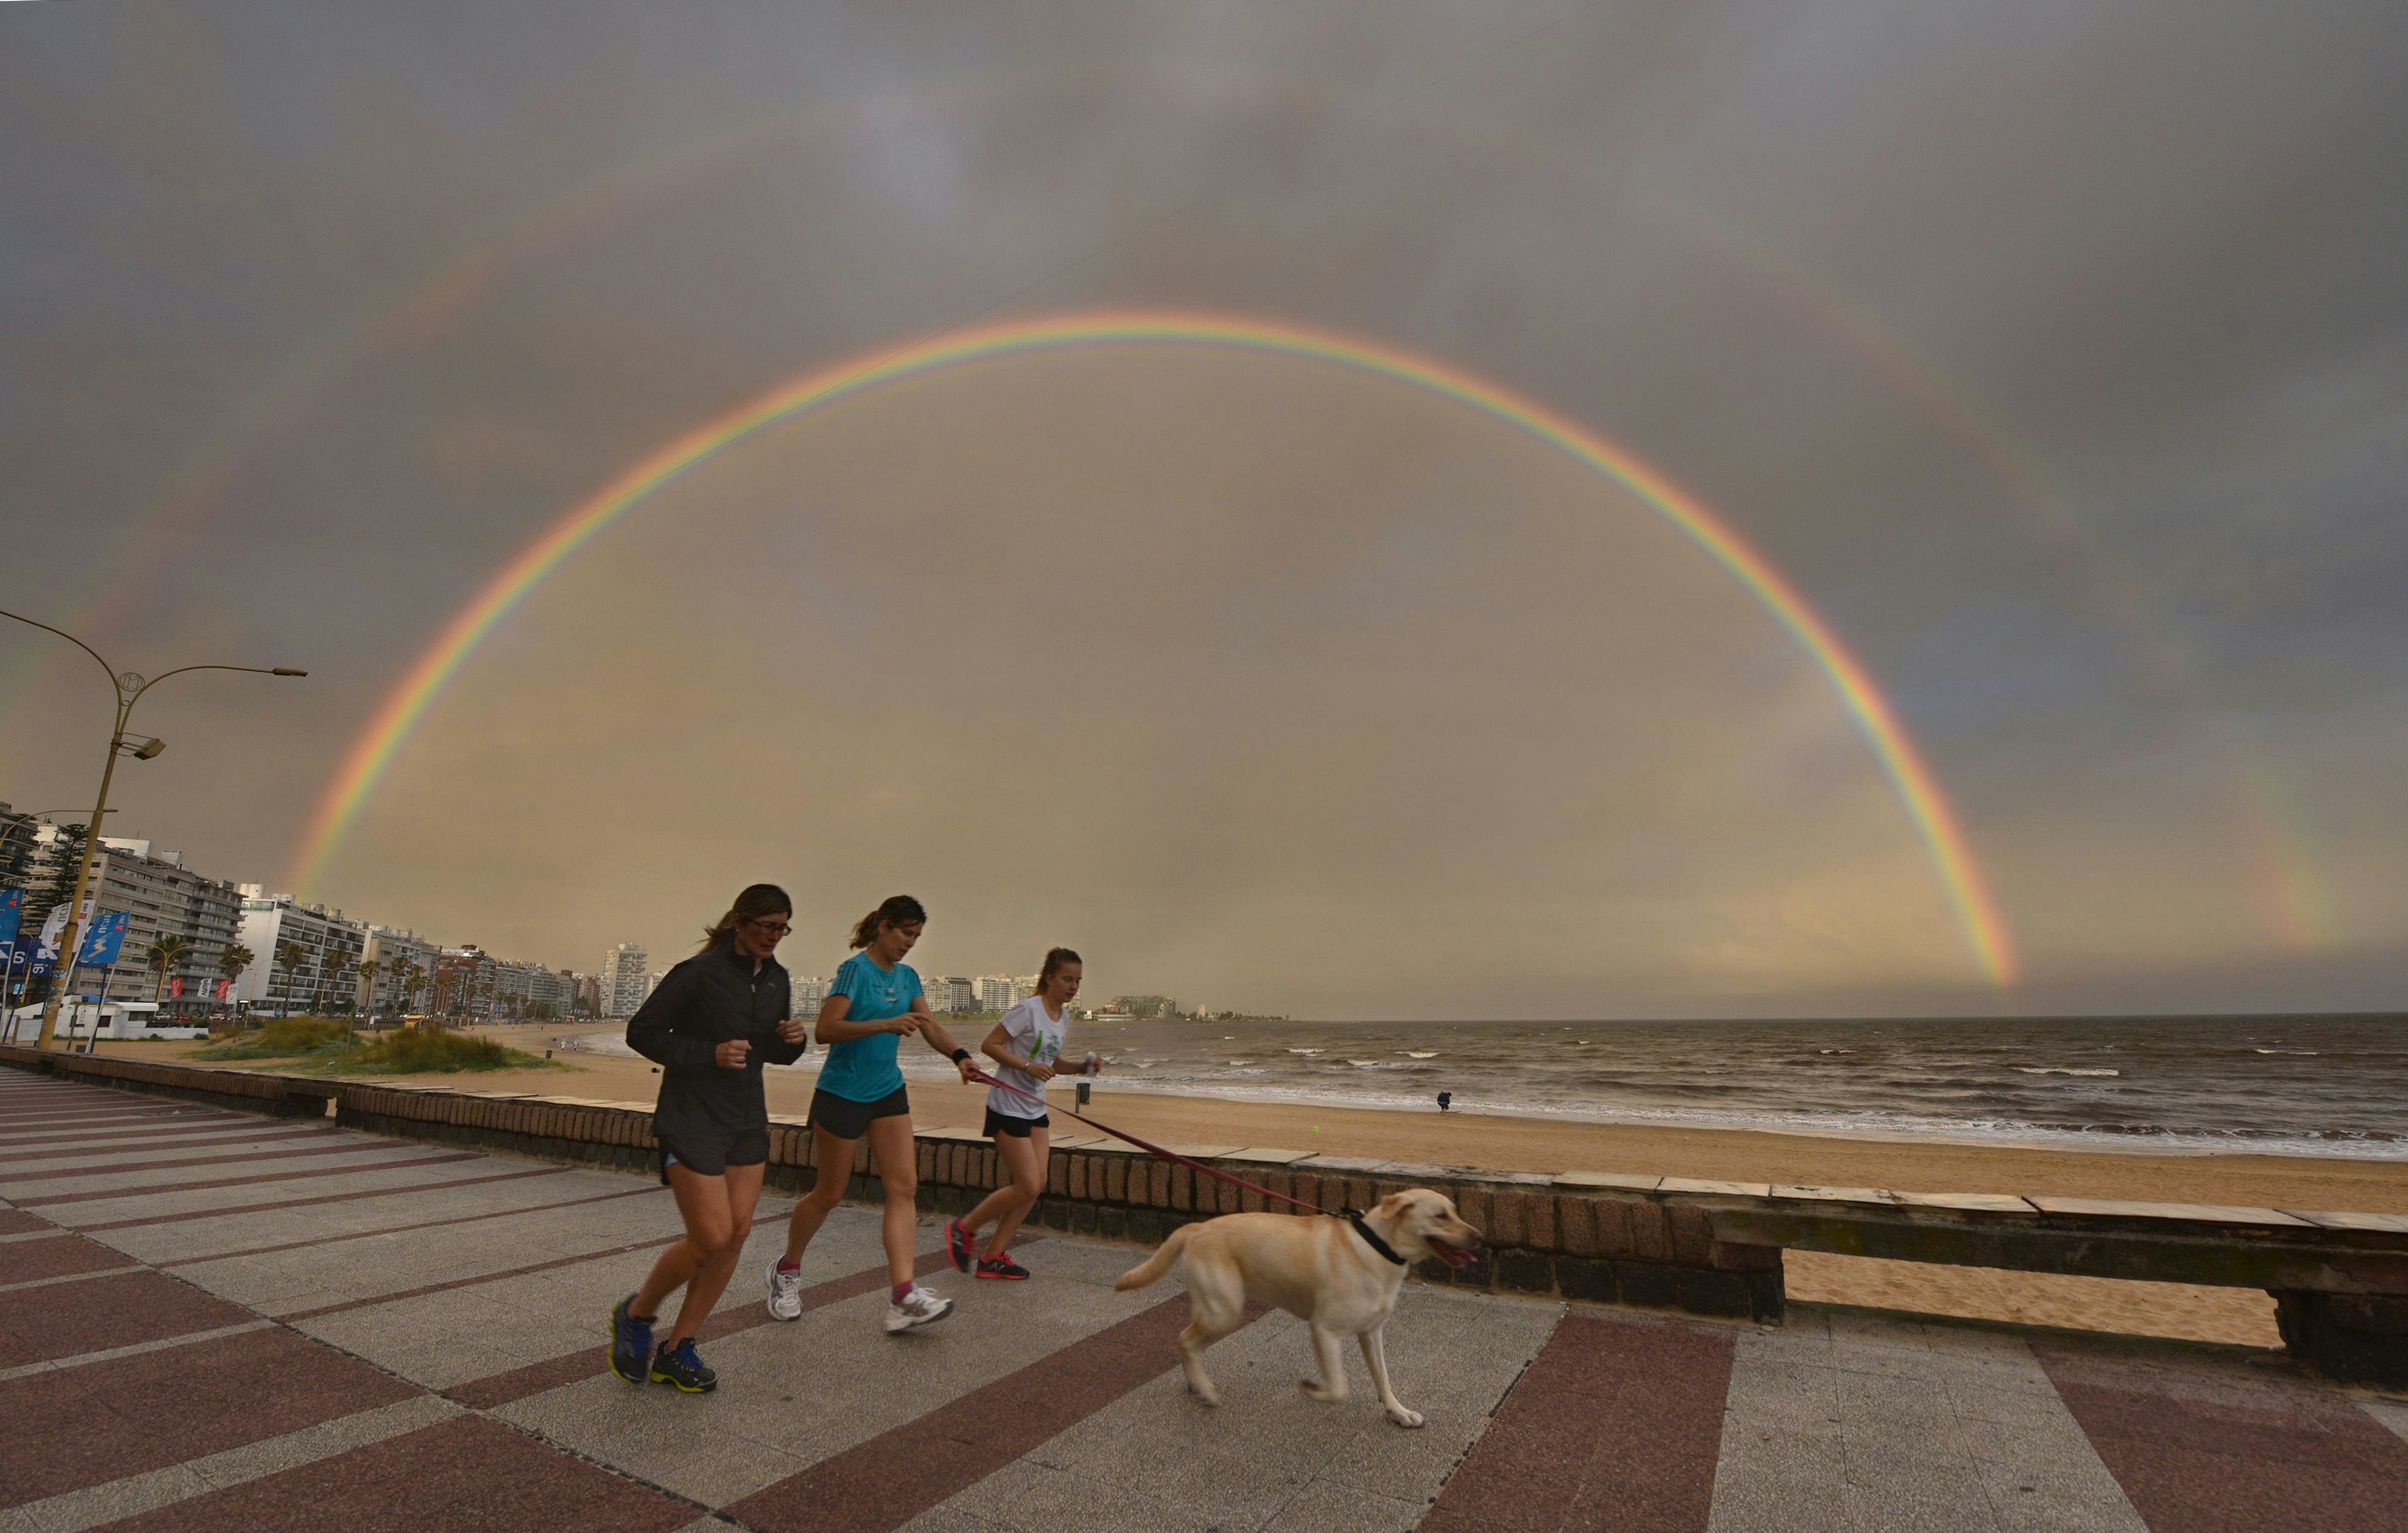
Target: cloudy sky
[{"x": 2054, "y": 355}]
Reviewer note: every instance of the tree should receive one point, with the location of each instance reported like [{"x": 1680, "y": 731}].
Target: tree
[
  {"x": 232, "y": 961},
  {"x": 165, "y": 956},
  {"x": 413, "y": 979},
  {"x": 369, "y": 969},
  {"x": 289, "y": 956}
]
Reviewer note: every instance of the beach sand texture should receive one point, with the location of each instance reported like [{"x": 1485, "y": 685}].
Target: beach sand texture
[{"x": 2242, "y": 1316}]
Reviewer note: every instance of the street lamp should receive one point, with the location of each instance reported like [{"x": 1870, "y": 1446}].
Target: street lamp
[
  {"x": 17, "y": 945},
  {"x": 129, "y": 687}
]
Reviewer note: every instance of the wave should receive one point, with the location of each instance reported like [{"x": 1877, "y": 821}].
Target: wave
[{"x": 2062, "y": 1070}]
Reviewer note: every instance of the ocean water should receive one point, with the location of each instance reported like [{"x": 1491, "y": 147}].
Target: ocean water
[{"x": 2285, "y": 1085}]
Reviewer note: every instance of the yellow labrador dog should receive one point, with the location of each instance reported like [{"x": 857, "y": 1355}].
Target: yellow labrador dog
[{"x": 1339, "y": 1276}]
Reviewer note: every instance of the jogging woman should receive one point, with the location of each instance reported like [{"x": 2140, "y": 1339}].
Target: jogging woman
[
  {"x": 874, "y": 1003},
  {"x": 712, "y": 1025},
  {"x": 1024, "y": 1046}
]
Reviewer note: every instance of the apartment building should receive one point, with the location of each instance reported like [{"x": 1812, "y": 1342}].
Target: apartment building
[
  {"x": 808, "y": 992},
  {"x": 322, "y": 978},
  {"x": 949, "y": 993},
  {"x": 1002, "y": 992},
  {"x": 161, "y": 899},
  {"x": 626, "y": 981},
  {"x": 405, "y": 972}
]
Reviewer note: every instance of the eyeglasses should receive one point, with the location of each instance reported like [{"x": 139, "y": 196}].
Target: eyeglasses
[{"x": 775, "y": 928}]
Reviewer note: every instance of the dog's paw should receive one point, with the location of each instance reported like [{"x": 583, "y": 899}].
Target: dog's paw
[
  {"x": 1405, "y": 1418},
  {"x": 1205, "y": 1393},
  {"x": 1316, "y": 1390}
]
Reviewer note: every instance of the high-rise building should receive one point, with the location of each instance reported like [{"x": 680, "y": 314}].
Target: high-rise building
[
  {"x": 162, "y": 899},
  {"x": 808, "y": 993},
  {"x": 949, "y": 993},
  {"x": 1023, "y": 986},
  {"x": 404, "y": 982},
  {"x": 995, "y": 992},
  {"x": 626, "y": 981},
  {"x": 318, "y": 976}
]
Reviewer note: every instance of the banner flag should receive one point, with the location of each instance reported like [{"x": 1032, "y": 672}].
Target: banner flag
[
  {"x": 12, "y": 914},
  {"x": 106, "y": 936},
  {"x": 176, "y": 988},
  {"x": 46, "y": 950}
]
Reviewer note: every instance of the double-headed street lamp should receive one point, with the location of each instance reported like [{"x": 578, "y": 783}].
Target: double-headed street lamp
[{"x": 129, "y": 687}]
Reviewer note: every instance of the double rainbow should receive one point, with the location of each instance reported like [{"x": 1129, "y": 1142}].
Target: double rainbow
[{"x": 1977, "y": 913}]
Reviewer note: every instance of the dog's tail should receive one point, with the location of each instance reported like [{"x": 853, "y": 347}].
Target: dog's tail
[{"x": 1153, "y": 1266}]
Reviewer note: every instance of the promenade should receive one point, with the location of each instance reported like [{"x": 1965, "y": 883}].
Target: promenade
[{"x": 211, "y": 1320}]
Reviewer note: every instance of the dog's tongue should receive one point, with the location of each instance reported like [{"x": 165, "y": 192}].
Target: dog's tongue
[{"x": 1450, "y": 1254}]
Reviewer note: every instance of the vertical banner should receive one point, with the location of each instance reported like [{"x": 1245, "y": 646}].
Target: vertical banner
[
  {"x": 176, "y": 988},
  {"x": 46, "y": 950},
  {"x": 100, "y": 944}
]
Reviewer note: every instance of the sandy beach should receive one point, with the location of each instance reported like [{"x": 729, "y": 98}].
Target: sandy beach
[{"x": 2242, "y": 1316}]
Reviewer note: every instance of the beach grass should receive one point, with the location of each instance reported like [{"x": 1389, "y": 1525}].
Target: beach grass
[{"x": 324, "y": 1046}]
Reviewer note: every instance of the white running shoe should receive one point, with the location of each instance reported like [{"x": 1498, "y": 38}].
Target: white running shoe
[
  {"x": 786, "y": 1293},
  {"x": 919, "y": 1308}
]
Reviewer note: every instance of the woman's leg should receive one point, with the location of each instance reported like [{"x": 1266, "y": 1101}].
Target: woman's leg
[
  {"x": 833, "y": 1159},
  {"x": 703, "y": 1203},
  {"x": 741, "y": 1189},
  {"x": 1027, "y": 1159},
  {"x": 898, "y": 1168}
]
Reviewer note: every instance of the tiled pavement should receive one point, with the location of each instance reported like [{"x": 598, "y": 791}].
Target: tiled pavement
[{"x": 214, "y": 1320}]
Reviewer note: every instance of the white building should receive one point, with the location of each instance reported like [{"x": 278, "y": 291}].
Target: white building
[
  {"x": 626, "y": 981},
  {"x": 810, "y": 993},
  {"x": 320, "y": 977},
  {"x": 161, "y": 899},
  {"x": 404, "y": 982},
  {"x": 949, "y": 993}
]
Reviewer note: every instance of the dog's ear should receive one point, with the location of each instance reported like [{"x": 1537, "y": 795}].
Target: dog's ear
[{"x": 1395, "y": 1204}]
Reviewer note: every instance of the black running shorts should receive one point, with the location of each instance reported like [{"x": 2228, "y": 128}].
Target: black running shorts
[
  {"x": 711, "y": 1154},
  {"x": 1004, "y": 1123},
  {"x": 849, "y": 1120}
]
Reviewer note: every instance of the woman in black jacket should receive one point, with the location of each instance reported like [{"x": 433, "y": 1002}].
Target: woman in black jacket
[{"x": 710, "y": 1027}]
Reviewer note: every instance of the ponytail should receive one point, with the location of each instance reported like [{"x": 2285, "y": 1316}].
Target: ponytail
[{"x": 897, "y": 910}]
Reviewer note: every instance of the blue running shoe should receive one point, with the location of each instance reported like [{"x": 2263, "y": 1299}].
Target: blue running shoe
[
  {"x": 631, "y": 1343},
  {"x": 678, "y": 1364}
]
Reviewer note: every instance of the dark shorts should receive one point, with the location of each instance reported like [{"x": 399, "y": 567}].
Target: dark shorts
[
  {"x": 711, "y": 1154},
  {"x": 849, "y": 1120},
  {"x": 1004, "y": 1123}
]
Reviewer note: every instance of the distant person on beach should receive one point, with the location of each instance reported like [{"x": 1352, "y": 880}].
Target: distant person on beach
[
  {"x": 712, "y": 1025},
  {"x": 1024, "y": 1046},
  {"x": 874, "y": 1003}
]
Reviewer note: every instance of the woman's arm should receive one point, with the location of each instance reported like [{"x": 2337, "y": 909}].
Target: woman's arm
[
  {"x": 835, "y": 1025},
  {"x": 999, "y": 1048},
  {"x": 942, "y": 1042},
  {"x": 652, "y": 1030}
]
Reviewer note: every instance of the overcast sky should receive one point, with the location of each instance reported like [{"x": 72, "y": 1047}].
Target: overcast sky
[{"x": 2055, "y": 355}]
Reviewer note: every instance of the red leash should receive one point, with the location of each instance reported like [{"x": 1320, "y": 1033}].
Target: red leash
[{"x": 1171, "y": 1155}]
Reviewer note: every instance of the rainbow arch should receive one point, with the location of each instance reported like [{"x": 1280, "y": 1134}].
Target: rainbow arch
[{"x": 371, "y": 755}]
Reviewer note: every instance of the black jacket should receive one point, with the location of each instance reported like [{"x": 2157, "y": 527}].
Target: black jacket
[{"x": 705, "y": 1001}]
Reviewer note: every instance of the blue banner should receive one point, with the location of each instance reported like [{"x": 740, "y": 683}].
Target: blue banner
[
  {"x": 12, "y": 915},
  {"x": 107, "y": 935},
  {"x": 44, "y": 951}
]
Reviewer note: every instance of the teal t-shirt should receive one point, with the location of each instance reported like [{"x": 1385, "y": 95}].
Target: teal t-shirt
[{"x": 863, "y": 1069}]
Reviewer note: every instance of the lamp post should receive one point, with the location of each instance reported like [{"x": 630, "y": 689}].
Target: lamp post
[
  {"x": 129, "y": 687},
  {"x": 15, "y": 948}
]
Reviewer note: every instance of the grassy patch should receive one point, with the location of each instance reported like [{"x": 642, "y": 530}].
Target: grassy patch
[
  {"x": 427, "y": 1051},
  {"x": 321, "y": 1046},
  {"x": 282, "y": 1038}
]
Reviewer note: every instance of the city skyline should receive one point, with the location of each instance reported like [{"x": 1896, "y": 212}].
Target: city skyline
[{"x": 1506, "y": 513}]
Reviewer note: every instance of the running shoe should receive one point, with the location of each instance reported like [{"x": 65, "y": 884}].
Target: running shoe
[
  {"x": 1003, "y": 1268},
  {"x": 631, "y": 1343},
  {"x": 961, "y": 1244},
  {"x": 919, "y": 1308},
  {"x": 679, "y": 1365},
  {"x": 785, "y": 1291}
]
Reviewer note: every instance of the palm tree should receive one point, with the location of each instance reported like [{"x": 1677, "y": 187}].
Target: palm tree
[
  {"x": 288, "y": 957},
  {"x": 164, "y": 955},
  {"x": 413, "y": 979},
  {"x": 369, "y": 969},
  {"x": 232, "y": 960}
]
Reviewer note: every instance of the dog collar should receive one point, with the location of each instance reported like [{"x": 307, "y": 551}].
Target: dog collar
[{"x": 1354, "y": 1217}]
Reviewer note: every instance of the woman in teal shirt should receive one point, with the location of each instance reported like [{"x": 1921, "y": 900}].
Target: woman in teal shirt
[{"x": 874, "y": 1004}]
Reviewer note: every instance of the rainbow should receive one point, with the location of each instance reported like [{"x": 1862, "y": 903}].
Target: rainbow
[{"x": 1977, "y": 913}]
